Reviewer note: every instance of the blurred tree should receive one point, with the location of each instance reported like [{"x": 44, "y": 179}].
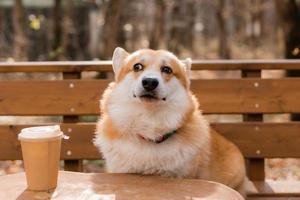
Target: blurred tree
[
  {"x": 69, "y": 33},
  {"x": 181, "y": 33},
  {"x": 111, "y": 27},
  {"x": 2, "y": 40},
  {"x": 256, "y": 10},
  {"x": 82, "y": 27},
  {"x": 20, "y": 42},
  {"x": 57, "y": 30},
  {"x": 157, "y": 34},
  {"x": 222, "y": 17},
  {"x": 123, "y": 22},
  {"x": 290, "y": 15},
  {"x": 81, "y": 30},
  {"x": 191, "y": 14}
]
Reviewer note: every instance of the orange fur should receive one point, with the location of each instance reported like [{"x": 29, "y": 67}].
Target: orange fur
[
  {"x": 156, "y": 64},
  {"x": 109, "y": 129}
]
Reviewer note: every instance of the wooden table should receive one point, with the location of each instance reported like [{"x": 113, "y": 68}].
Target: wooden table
[{"x": 84, "y": 186}]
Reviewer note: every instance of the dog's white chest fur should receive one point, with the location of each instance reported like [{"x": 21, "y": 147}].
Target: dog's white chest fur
[{"x": 136, "y": 156}]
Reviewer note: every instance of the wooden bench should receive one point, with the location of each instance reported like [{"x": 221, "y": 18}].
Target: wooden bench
[{"x": 249, "y": 96}]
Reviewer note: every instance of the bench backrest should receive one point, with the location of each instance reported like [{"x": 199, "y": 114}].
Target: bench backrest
[{"x": 72, "y": 96}]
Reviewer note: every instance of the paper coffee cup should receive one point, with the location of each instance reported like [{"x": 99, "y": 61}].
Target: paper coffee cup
[{"x": 41, "y": 156}]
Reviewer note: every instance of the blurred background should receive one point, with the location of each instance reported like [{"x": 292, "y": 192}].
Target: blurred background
[
  {"x": 203, "y": 29},
  {"x": 35, "y": 30}
]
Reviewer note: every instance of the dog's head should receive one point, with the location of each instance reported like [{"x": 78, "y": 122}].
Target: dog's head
[{"x": 151, "y": 77}]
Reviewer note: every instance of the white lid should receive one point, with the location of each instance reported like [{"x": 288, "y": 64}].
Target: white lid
[{"x": 40, "y": 132}]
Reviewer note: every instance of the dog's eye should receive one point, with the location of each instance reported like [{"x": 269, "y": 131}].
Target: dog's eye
[
  {"x": 166, "y": 69},
  {"x": 138, "y": 67}
]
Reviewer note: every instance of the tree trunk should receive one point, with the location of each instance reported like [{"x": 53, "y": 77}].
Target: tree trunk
[
  {"x": 174, "y": 37},
  {"x": 57, "y": 30},
  {"x": 158, "y": 25},
  {"x": 181, "y": 37},
  {"x": 290, "y": 15},
  {"x": 20, "y": 41},
  {"x": 224, "y": 49},
  {"x": 82, "y": 34},
  {"x": 191, "y": 11},
  {"x": 111, "y": 27},
  {"x": 2, "y": 40},
  {"x": 69, "y": 36}
]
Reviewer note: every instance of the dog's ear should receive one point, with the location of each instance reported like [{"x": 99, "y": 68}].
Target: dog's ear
[
  {"x": 187, "y": 64},
  {"x": 118, "y": 59}
]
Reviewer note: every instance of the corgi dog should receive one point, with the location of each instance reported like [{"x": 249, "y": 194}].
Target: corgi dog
[{"x": 151, "y": 123}]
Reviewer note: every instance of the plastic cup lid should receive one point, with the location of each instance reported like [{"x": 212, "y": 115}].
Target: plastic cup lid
[{"x": 40, "y": 132}]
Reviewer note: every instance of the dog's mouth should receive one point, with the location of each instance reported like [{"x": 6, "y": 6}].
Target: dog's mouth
[{"x": 149, "y": 97}]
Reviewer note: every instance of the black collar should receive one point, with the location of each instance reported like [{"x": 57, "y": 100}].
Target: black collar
[{"x": 162, "y": 138}]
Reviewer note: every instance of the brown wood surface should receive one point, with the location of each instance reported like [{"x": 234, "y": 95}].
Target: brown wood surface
[
  {"x": 76, "y": 66},
  {"x": 79, "y": 146},
  {"x": 82, "y": 186},
  {"x": 256, "y": 169},
  {"x": 251, "y": 95},
  {"x": 72, "y": 165},
  {"x": 255, "y": 166},
  {"x": 256, "y": 140},
  {"x": 64, "y": 97},
  {"x": 259, "y": 140},
  {"x": 79, "y": 97}
]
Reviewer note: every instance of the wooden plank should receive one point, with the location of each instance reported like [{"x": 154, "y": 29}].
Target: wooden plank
[
  {"x": 255, "y": 166},
  {"x": 81, "y": 97},
  {"x": 270, "y": 188},
  {"x": 256, "y": 169},
  {"x": 251, "y": 95},
  {"x": 76, "y": 66},
  {"x": 55, "y": 66},
  {"x": 72, "y": 165},
  {"x": 245, "y": 64},
  {"x": 79, "y": 146},
  {"x": 64, "y": 97},
  {"x": 256, "y": 140},
  {"x": 259, "y": 140}
]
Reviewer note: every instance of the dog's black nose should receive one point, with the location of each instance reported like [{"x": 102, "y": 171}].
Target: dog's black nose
[{"x": 149, "y": 83}]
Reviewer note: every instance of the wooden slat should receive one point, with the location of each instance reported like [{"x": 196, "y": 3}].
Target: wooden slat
[
  {"x": 79, "y": 146},
  {"x": 76, "y": 66},
  {"x": 72, "y": 165},
  {"x": 245, "y": 64},
  {"x": 259, "y": 140},
  {"x": 256, "y": 169},
  {"x": 251, "y": 95},
  {"x": 60, "y": 66},
  {"x": 255, "y": 166},
  {"x": 256, "y": 140},
  {"x": 81, "y": 97},
  {"x": 271, "y": 188},
  {"x": 64, "y": 97}
]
